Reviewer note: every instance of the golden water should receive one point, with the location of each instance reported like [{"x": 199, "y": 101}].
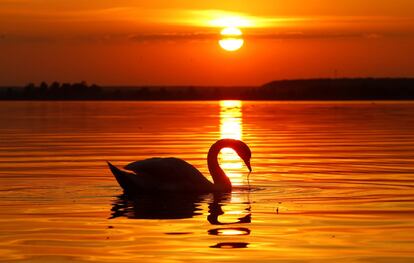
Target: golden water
[{"x": 331, "y": 182}]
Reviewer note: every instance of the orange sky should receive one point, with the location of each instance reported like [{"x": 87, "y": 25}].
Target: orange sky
[{"x": 173, "y": 42}]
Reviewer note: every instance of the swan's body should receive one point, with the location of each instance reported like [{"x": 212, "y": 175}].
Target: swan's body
[{"x": 176, "y": 175}]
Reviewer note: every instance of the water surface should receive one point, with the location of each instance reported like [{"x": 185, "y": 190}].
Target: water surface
[{"x": 332, "y": 182}]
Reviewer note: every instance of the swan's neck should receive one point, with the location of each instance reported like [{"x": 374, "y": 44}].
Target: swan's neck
[{"x": 221, "y": 181}]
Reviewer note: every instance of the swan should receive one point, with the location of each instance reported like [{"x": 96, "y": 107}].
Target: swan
[{"x": 176, "y": 175}]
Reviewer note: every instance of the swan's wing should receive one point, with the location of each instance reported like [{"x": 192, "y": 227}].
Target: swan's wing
[
  {"x": 165, "y": 170},
  {"x": 142, "y": 167}
]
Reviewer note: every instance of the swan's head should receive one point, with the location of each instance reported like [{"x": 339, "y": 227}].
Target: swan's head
[{"x": 244, "y": 152}]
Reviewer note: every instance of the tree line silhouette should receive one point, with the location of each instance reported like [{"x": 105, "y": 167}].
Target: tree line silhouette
[
  {"x": 341, "y": 89},
  {"x": 306, "y": 89}
]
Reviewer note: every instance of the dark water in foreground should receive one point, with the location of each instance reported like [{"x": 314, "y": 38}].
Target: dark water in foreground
[{"x": 332, "y": 182}]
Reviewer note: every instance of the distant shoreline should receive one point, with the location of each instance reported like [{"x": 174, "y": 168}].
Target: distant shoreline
[{"x": 352, "y": 89}]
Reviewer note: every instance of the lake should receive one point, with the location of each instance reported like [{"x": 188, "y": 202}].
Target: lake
[{"x": 331, "y": 182}]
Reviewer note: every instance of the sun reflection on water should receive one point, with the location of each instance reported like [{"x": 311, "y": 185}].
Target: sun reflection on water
[{"x": 231, "y": 126}]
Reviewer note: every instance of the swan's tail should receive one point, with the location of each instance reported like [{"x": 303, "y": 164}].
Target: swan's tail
[
  {"x": 123, "y": 178},
  {"x": 116, "y": 171}
]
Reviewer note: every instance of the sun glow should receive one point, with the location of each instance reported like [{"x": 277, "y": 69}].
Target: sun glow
[
  {"x": 232, "y": 39},
  {"x": 231, "y": 21}
]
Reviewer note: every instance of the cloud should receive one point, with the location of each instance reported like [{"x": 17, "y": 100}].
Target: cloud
[
  {"x": 200, "y": 36},
  {"x": 130, "y": 23},
  {"x": 179, "y": 37},
  {"x": 174, "y": 36}
]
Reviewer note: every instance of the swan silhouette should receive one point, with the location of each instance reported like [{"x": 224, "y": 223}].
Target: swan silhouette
[{"x": 176, "y": 175}]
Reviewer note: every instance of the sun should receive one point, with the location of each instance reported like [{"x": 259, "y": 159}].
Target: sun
[
  {"x": 231, "y": 39},
  {"x": 231, "y": 31},
  {"x": 231, "y": 44}
]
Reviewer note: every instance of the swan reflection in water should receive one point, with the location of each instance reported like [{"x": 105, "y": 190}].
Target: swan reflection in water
[
  {"x": 173, "y": 206},
  {"x": 183, "y": 206},
  {"x": 163, "y": 206},
  {"x": 216, "y": 210}
]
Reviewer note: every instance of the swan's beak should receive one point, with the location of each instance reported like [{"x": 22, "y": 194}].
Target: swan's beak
[{"x": 248, "y": 165}]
